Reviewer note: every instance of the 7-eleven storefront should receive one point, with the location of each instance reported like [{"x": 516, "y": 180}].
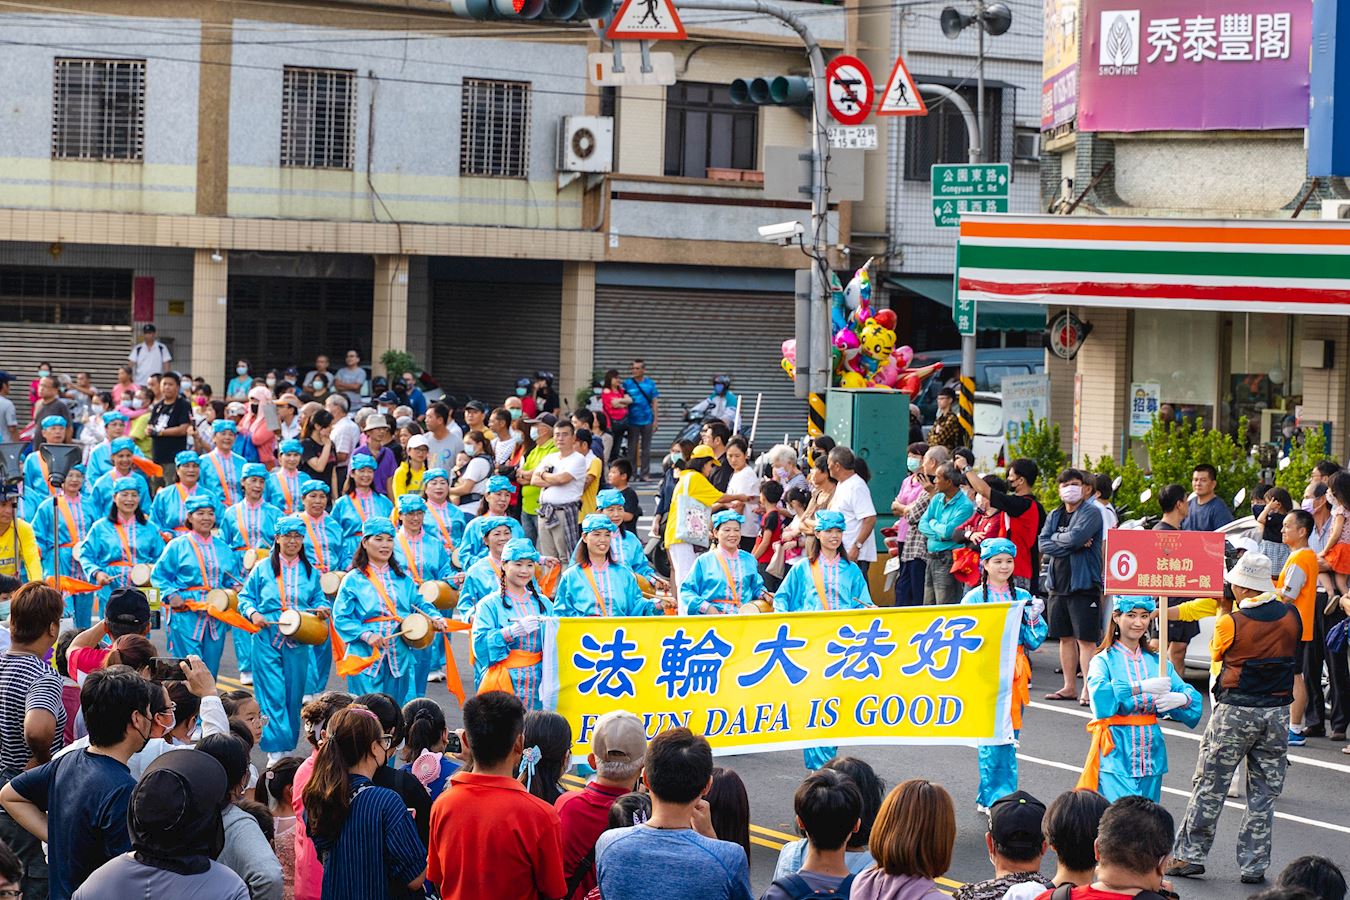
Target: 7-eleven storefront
[{"x": 1220, "y": 320}]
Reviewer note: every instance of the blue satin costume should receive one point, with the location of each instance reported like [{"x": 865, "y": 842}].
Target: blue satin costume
[
  {"x": 178, "y": 572},
  {"x": 998, "y": 763},
  {"x": 429, "y": 562},
  {"x": 576, "y": 597},
  {"x": 490, "y": 646},
  {"x": 80, "y": 514},
  {"x": 707, "y": 583},
  {"x": 111, "y": 552},
  {"x": 358, "y": 601},
  {"x": 281, "y": 665}
]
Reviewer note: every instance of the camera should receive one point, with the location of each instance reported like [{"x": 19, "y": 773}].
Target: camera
[{"x": 782, "y": 234}]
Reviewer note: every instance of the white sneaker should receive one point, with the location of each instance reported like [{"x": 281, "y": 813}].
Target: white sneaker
[
  {"x": 438, "y": 675},
  {"x": 245, "y": 678}
]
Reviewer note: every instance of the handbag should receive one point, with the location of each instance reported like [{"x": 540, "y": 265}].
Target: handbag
[
  {"x": 1339, "y": 636},
  {"x": 691, "y": 520},
  {"x": 777, "y": 566}
]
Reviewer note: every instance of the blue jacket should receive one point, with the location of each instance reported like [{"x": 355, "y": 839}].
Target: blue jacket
[
  {"x": 1085, "y": 562},
  {"x": 576, "y": 594},
  {"x": 941, "y": 519},
  {"x": 243, "y": 527}
]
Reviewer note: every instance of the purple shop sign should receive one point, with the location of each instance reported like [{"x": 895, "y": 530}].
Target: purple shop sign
[{"x": 1194, "y": 65}]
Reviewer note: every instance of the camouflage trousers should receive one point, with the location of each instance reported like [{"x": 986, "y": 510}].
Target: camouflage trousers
[{"x": 1259, "y": 735}]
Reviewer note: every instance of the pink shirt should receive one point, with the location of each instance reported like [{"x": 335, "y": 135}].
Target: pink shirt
[
  {"x": 910, "y": 489},
  {"x": 308, "y": 871}
]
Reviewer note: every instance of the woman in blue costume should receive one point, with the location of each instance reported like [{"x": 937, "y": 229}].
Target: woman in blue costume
[
  {"x": 169, "y": 509},
  {"x": 124, "y": 451},
  {"x": 625, "y": 548},
  {"x": 36, "y": 486},
  {"x": 496, "y": 501},
  {"x": 100, "y": 458},
  {"x": 998, "y": 763},
  {"x": 596, "y": 586},
  {"x": 443, "y": 517},
  {"x": 251, "y": 523},
  {"x": 726, "y": 577},
  {"x": 375, "y": 597},
  {"x": 72, "y": 518},
  {"x": 420, "y": 553},
  {"x": 222, "y": 468},
  {"x": 508, "y": 631},
  {"x": 326, "y": 553},
  {"x": 284, "y": 482},
  {"x": 484, "y": 576},
  {"x": 118, "y": 541},
  {"x": 828, "y": 580},
  {"x": 1129, "y": 754},
  {"x": 191, "y": 566},
  {"x": 359, "y": 503},
  {"x": 285, "y": 580}
]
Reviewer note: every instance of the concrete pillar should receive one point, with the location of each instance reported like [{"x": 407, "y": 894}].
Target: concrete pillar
[
  {"x": 1104, "y": 364},
  {"x": 1061, "y": 372},
  {"x": 1325, "y": 398},
  {"x": 210, "y": 303},
  {"x": 389, "y": 322},
  {"x": 576, "y": 350}
]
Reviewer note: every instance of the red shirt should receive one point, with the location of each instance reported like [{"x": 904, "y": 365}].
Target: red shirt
[
  {"x": 1088, "y": 892},
  {"x": 83, "y": 660},
  {"x": 585, "y": 816},
  {"x": 491, "y": 838}
]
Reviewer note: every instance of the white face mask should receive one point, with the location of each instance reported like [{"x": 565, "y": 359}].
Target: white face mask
[
  {"x": 96, "y": 407},
  {"x": 137, "y": 402},
  {"x": 471, "y": 449},
  {"x": 43, "y": 373},
  {"x": 318, "y": 384},
  {"x": 185, "y": 385},
  {"x": 241, "y": 370},
  {"x": 271, "y": 382},
  {"x": 534, "y": 434},
  {"x": 1071, "y": 493}
]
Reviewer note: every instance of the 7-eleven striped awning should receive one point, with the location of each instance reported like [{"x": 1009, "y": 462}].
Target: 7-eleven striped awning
[{"x": 1221, "y": 264}]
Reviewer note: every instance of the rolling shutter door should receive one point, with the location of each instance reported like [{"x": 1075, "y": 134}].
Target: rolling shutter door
[
  {"x": 687, "y": 337},
  {"x": 488, "y": 334},
  {"x": 97, "y": 349}
]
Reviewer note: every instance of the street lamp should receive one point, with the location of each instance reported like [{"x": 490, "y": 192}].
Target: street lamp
[{"x": 993, "y": 18}]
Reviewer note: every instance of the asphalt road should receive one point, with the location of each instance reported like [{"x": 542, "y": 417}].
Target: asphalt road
[{"x": 1313, "y": 816}]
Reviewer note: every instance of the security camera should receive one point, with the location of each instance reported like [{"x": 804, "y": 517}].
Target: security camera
[{"x": 783, "y": 233}]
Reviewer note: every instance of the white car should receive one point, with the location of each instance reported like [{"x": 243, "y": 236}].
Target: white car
[{"x": 1244, "y": 533}]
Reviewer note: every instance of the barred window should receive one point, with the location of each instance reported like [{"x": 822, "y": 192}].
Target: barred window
[
  {"x": 495, "y": 128},
  {"x": 98, "y": 109},
  {"x": 318, "y": 118}
]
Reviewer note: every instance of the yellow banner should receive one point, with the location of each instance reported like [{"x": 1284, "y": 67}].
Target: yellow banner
[{"x": 920, "y": 675}]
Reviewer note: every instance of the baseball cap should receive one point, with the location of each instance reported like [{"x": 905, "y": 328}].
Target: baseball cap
[
  {"x": 1015, "y": 822},
  {"x": 148, "y": 328},
  {"x": 619, "y": 737},
  {"x": 478, "y": 405},
  {"x": 387, "y": 397},
  {"x": 128, "y": 607},
  {"x": 418, "y": 440},
  {"x": 703, "y": 451},
  {"x": 5, "y": 376},
  {"x": 235, "y": 409},
  {"x": 548, "y": 419}
]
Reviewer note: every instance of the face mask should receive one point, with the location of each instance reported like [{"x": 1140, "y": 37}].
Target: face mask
[
  {"x": 137, "y": 402},
  {"x": 318, "y": 384},
  {"x": 534, "y": 434},
  {"x": 270, "y": 381},
  {"x": 384, "y": 410},
  {"x": 97, "y": 408},
  {"x": 719, "y": 389},
  {"x": 43, "y": 373},
  {"x": 517, "y": 413},
  {"x": 241, "y": 370},
  {"x": 677, "y": 457},
  {"x": 1308, "y": 505},
  {"x": 912, "y": 463},
  {"x": 471, "y": 449},
  {"x": 520, "y": 392},
  {"x": 1070, "y": 493},
  {"x": 185, "y": 386}
]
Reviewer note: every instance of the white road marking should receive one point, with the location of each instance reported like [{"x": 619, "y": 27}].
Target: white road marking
[
  {"x": 1192, "y": 736},
  {"x": 1302, "y": 820}
]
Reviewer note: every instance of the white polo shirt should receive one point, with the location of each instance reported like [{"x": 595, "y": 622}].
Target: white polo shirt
[
  {"x": 853, "y": 498},
  {"x": 573, "y": 463}
]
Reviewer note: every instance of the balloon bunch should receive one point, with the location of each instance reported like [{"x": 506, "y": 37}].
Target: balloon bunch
[{"x": 863, "y": 338}]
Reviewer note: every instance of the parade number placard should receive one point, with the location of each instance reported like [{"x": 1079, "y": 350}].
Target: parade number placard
[
  {"x": 1164, "y": 563},
  {"x": 926, "y": 675}
]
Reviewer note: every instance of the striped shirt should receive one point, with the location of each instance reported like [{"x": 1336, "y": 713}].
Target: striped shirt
[
  {"x": 377, "y": 853},
  {"x": 26, "y": 683}
]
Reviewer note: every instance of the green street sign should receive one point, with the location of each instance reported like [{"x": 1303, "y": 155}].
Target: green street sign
[
  {"x": 947, "y": 211},
  {"x": 963, "y": 313},
  {"x": 984, "y": 180}
]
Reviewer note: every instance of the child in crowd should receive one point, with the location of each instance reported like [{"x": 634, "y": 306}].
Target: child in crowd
[
  {"x": 771, "y": 522},
  {"x": 1270, "y": 507},
  {"x": 1336, "y": 552},
  {"x": 619, "y": 474},
  {"x": 424, "y": 746},
  {"x": 829, "y": 810},
  {"x": 275, "y": 791}
]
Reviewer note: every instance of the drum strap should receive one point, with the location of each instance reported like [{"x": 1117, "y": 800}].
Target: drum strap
[{"x": 733, "y": 581}]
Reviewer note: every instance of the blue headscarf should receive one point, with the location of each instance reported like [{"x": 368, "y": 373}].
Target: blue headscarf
[
  {"x": 723, "y": 516},
  {"x": 991, "y": 547},
  {"x": 1124, "y": 603},
  {"x": 520, "y": 548},
  {"x": 597, "y": 522},
  {"x": 290, "y": 525},
  {"x": 377, "y": 525}
]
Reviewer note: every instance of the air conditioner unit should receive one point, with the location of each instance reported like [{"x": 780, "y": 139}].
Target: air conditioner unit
[
  {"x": 586, "y": 144},
  {"x": 1027, "y": 145},
  {"x": 1336, "y": 209}
]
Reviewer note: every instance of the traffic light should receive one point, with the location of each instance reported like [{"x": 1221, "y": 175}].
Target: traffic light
[
  {"x": 579, "y": 10},
  {"x": 773, "y": 90}
]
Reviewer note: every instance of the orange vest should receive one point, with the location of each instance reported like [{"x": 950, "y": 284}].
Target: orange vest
[{"x": 1306, "y": 601}]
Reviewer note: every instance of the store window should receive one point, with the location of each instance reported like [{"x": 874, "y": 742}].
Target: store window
[
  {"x": 1262, "y": 383},
  {"x": 1179, "y": 350}
]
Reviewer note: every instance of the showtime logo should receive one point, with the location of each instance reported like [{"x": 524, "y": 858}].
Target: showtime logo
[{"x": 1118, "y": 43}]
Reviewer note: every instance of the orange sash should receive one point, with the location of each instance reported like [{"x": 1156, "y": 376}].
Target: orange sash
[
  {"x": 818, "y": 574},
  {"x": 548, "y": 581},
  {"x": 316, "y": 544},
  {"x": 229, "y": 616},
  {"x": 595, "y": 586},
  {"x": 733, "y": 588},
  {"x": 1103, "y": 743},
  {"x": 67, "y": 585},
  {"x": 148, "y": 468},
  {"x": 350, "y": 663},
  {"x": 1021, "y": 685},
  {"x": 498, "y": 675},
  {"x": 220, "y": 473}
]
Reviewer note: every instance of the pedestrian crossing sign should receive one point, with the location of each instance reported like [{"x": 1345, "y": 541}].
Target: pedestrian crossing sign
[
  {"x": 646, "y": 20},
  {"x": 901, "y": 97}
]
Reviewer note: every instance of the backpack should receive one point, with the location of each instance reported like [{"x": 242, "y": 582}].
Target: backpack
[
  {"x": 1065, "y": 892},
  {"x": 796, "y": 888}
]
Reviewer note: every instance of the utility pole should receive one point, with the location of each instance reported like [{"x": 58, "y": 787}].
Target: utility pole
[{"x": 819, "y": 354}]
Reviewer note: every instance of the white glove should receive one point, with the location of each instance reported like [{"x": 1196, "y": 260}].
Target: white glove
[
  {"x": 531, "y": 624},
  {"x": 1155, "y": 686},
  {"x": 1171, "y": 700},
  {"x": 1035, "y": 609},
  {"x": 521, "y": 627}
]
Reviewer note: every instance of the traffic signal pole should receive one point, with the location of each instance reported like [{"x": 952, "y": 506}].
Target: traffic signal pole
[{"x": 818, "y": 360}]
